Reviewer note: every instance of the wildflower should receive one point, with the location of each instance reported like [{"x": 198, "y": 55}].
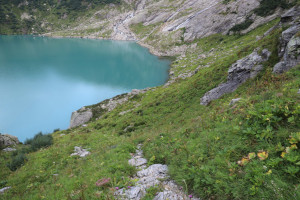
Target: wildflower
[
  {"x": 129, "y": 187},
  {"x": 263, "y": 155},
  {"x": 283, "y": 154},
  {"x": 117, "y": 188},
  {"x": 243, "y": 162},
  {"x": 102, "y": 182},
  {"x": 190, "y": 196},
  {"x": 269, "y": 172}
]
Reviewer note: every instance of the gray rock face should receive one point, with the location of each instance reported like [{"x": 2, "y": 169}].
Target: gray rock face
[
  {"x": 291, "y": 56},
  {"x": 79, "y": 151},
  {"x": 291, "y": 15},
  {"x": 289, "y": 49},
  {"x": 80, "y": 117},
  {"x": 4, "y": 189},
  {"x": 286, "y": 36},
  {"x": 238, "y": 73},
  {"x": 8, "y": 140}
]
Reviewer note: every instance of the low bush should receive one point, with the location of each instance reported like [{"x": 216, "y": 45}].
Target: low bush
[
  {"x": 242, "y": 26},
  {"x": 17, "y": 161},
  {"x": 40, "y": 140},
  {"x": 268, "y": 7}
]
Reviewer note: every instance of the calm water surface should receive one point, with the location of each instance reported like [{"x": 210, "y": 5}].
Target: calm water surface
[{"x": 43, "y": 80}]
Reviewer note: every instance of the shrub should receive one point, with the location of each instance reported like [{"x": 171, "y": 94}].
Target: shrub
[
  {"x": 2, "y": 184},
  {"x": 56, "y": 130},
  {"x": 17, "y": 161},
  {"x": 268, "y": 7},
  {"x": 242, "y": 26},
  {"x": 40, "y": 140}
]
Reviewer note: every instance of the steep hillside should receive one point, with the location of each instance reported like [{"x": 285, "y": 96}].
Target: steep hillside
[{"x": 237, "y": 142}]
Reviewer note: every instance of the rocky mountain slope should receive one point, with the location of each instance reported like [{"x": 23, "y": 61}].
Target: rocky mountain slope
[{"x": 225, "y": 125}]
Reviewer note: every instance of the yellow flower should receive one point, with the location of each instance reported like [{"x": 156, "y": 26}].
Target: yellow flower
[
  {"x": 243, "y": 162},
  {"x": 269, "y": 172},
  {"x": 263, "y": 155},
  {"x": 283, "y": 154}
]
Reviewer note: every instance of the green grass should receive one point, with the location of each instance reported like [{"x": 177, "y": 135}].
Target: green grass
[{"x": 202, "y": 145}]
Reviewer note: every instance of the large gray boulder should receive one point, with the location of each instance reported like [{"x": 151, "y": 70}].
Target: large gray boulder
[
  {"x": 291, "y": 55},
  {"x": 289, "y": 49},
  {"x": 80, "y": 117},
  {"x": 286, "y": 36},
  {"x": 8, "y": 140},
  {"x": 238, "y": 73}
]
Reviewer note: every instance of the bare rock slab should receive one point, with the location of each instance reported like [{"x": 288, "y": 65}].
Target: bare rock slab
[
  {"x": 79, "y": 151},
  {"x": 238, "y": 73},
  {"x": 80, "y": 117},
  {"x": 8, "y": 140}
]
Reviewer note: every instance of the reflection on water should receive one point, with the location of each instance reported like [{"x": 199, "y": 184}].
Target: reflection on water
[{"x": 42, "y": 80}]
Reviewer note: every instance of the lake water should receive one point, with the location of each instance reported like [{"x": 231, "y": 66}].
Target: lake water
[{"x": 43, "y": 80}]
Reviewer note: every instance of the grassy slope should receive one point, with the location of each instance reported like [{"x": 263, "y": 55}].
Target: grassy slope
[{"x": 200, "y": 144}]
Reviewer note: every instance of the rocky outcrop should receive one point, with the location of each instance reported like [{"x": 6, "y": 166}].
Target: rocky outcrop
[
  {"x": 80, "y": 117},
  {"x": 155, "y": 175},
  {"x": 238, "y": 73},
  {"x": 8, "y": 140},
  {"x": 85, "y": 114},
  {"x": 79, "y": 151},
  {"x": 291, "y": 56},
  {"x": 289, "y": 50}
]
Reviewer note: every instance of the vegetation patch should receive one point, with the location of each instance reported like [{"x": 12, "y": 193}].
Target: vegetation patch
[
  {"x": 242, "y": 26},
  {"x": 268, "y": 7}
]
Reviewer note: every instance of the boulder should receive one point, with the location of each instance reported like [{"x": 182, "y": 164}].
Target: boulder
[
  {"x": 79, "y": 151},
  {"x": 238, "y": 73},
  {"x": 80, "y": 117},
  {"x": 286, "y": 36},
  {"x": 291, "y": 56},
  {"x": 8, "y": 140}
]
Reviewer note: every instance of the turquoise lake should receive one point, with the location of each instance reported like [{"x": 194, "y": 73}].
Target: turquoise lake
[{"x": 43, "y": 80}]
